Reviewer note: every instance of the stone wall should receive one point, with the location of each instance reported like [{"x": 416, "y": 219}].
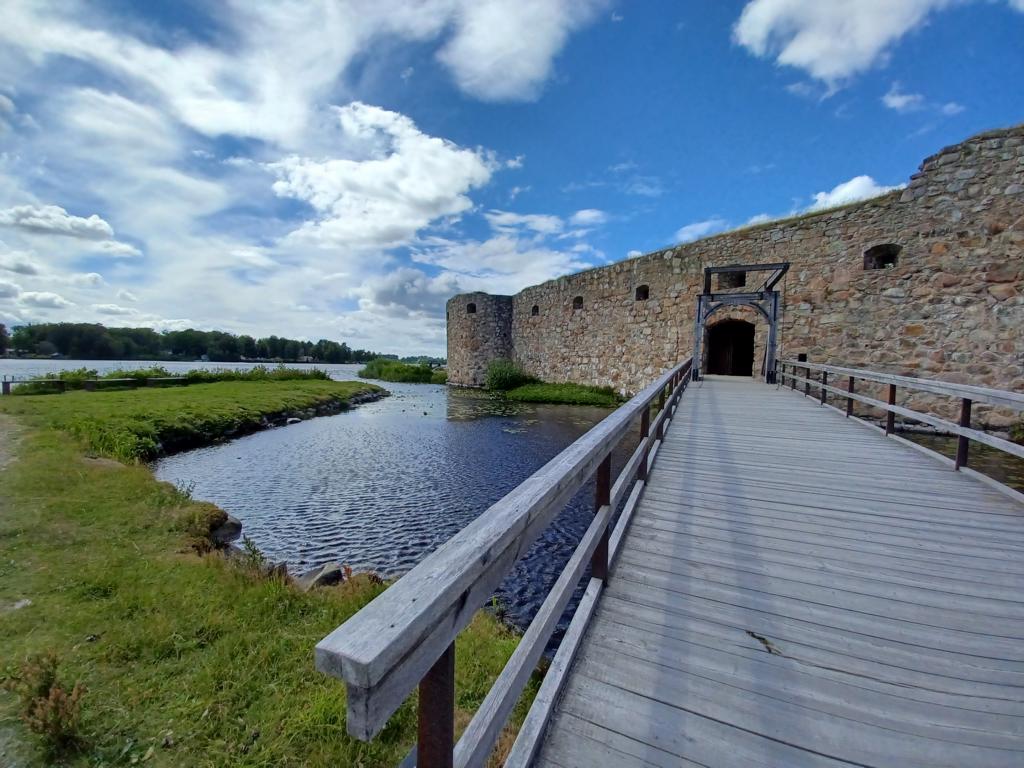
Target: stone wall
[
  {"x": 951, "y": 307},
  {"x": 477, "y": 337}
]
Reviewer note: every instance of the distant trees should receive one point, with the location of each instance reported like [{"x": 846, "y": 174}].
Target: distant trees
[
  {"x": 4, "y": 338},
  {"x": 91, "y": 341}
]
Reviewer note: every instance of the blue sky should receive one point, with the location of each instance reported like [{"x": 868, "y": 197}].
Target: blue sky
[{"x": 339, "y": 169}]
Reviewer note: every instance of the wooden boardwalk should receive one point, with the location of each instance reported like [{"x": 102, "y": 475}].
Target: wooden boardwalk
[{"x": 796, "y": 590}]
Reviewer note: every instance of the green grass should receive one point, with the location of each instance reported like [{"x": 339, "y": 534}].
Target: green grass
[
  {"x": 137, "y": 425},
  {"x": 186, "y": 658},
  {"x": 386, "y": 369},
  {"x": 569, "y": 394},
  {"x": 76, "y": 378}
]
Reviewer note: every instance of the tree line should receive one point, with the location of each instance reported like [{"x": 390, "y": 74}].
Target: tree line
[{"x": 91, "y": 341}]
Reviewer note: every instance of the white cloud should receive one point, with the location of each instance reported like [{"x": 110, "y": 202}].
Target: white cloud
[
  {"x": 19, "y": 263},
  {"x": 407, "y": 180},
  {"x": 700, "y": 229},
  {"x": 634, "y": 254},
  {"x": 900, "y": 101},
  {"x": 9, "y": 290},
  {"x": 126, "y": 295},
  {"x": 508, "y": 222},
  {"x": 54, "y": 220},
  {"x": 952, "y": 108},
  {"x": 857, "y": 188},
  {"x": 86, "y": 280},
  {"x": 832, "y": 40},
  {"x": 44, "y": 300},
  {"x": 759, "y": 218},
  {"x": 588, "y": 217},
  {"x": 503, "y": 49},
  {"x": 113, "y": 309}
]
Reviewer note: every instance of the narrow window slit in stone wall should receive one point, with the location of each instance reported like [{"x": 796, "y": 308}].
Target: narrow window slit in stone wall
[
  {"x": 471, "y": 309},
  {"x": 643, "y": 293},
  {"x": 577, "y": 303},
  {"x": 882, "y": 256},
  {"x": 535, "y": 311},
  {"x": 732, "y": 279}
]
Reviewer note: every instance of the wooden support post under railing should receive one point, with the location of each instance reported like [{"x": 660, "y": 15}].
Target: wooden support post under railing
[
  {"x": 963, "y": 443},
  {"x": 436, "y": 733},
  {"x": 6, "y": 387},
  {"x": 602, "y": 498},
  {"x": 824, "y": 383},
  {"x": 890, "y": 417},
  {"x": 849, "y": 400},
  {"x": 807, "y": 383},
  {"x": 792, "y": 379},
  {"x": 645, "y": 431}
]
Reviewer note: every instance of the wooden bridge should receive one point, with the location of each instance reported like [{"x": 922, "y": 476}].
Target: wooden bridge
[{"x": 773, "y": 583}]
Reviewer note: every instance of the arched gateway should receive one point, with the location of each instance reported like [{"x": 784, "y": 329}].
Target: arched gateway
[{"x": 731, "y": 342}]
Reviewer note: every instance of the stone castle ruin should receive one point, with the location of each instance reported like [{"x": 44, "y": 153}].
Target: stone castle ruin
[{"x": 924, "y": 281}]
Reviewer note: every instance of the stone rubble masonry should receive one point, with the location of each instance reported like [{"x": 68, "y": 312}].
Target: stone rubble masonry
[{"x": 951, "y": 308}]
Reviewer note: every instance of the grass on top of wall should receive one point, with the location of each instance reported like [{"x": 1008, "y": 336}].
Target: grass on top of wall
[
  {"x": 568, "y": 394},
  {"x": 137, "y": 425},
  {"x": 186, "y": 659}
]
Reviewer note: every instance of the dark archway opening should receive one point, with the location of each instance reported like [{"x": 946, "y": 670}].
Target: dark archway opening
[{"x": 731, "y": 348}]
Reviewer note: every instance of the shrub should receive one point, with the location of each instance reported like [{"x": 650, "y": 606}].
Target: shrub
[
  {"x": 503, "y": 375},
  {"x": 386, "y": 369},
  {"x": 47, "y": 707}
]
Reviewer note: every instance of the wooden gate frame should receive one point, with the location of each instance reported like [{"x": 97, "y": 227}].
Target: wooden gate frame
[{"x": 765, "y": 300}]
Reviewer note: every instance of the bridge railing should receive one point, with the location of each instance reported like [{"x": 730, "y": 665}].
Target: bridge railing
[
  {"x": 406, "y": 637},
  {"x": 967, "y": 394}
]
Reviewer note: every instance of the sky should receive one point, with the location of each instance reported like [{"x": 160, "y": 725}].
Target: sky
[{"x": 339, "y": 168}]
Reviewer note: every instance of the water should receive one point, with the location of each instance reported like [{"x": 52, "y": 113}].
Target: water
[{"x": 380, "y": 487}]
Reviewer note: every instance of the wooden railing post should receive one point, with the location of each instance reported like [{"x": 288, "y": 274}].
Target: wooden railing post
[
  {"x": 645, "y": 432},
  {"x": 963, "y": 443},
  {"x": 436, "y": 733},
  {"x": 602, "y": 498},
  {"x": 890, "y": 417},
  {"x": 824, "y": 383},
  {"x": 807, "y": 382},
  {"x": 792, "y": 378},
  {"x": 849, "y": 400},
  {"x": 62, "y": 386},
  {"x": 6, "y": 387}
]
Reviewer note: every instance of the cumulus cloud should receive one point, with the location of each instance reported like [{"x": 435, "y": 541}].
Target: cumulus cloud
[
  {"x": 857, "y": 188},
  {"x": 126, "y": 295},
  {"x": 408, "y": 180},
  {"x": 900, "y": 101},
  {"x": 9, "y": 290},
  {"x": 116, "y": 249},
  {"x": 506, "y": 221},
  {"x": 44, "y": 300},
  {"x": 503, "y": 49},
  {"x": 700, "y": 229},
  {"x": 588, "y": 217},
  {"x": 19, "y": 263},
  {"x": 54, "y": 220},
  {"x": 832, "y": 41},
  {"x": 113, "y": 309},
  {"x": 86, "y": 280}
]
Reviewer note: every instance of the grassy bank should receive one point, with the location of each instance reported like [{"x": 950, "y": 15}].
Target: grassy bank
[
  {"x": 567, "y": 394},
  {"x": 386, "y": 369},
  {"x": 507, "y": 378},
  {"x": 75, "y": 378},
  {"x": 185, "y": 659},
  {"x": 139, "y": 424}
]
